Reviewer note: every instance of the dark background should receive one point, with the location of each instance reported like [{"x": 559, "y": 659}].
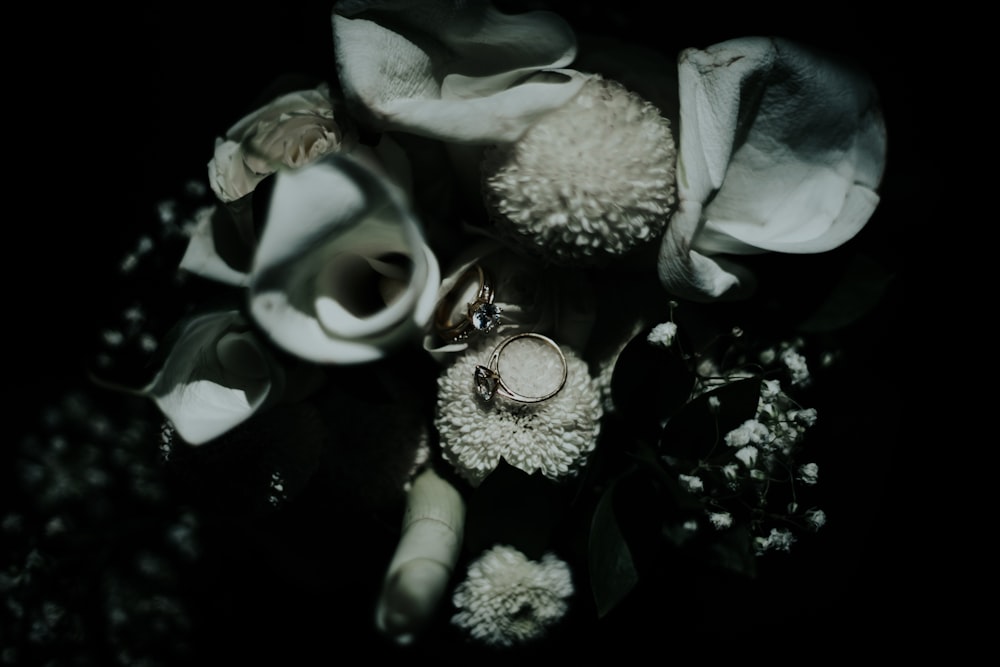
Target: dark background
[{"x": 144, "y": 97}]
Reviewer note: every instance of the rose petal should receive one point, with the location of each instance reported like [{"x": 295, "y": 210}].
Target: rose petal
[
  {"x": 783, "y": 147},
  {"x": 471, "y": 82},
  {"x": 228, "y": 174},
  {"x": 342, "y": 272},
  {"x": 215, "y": 377}
]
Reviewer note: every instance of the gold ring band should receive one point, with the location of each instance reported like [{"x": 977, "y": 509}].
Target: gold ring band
[
  {"x": 488, "y": 382},
  {"x": 481, "y": 314}
]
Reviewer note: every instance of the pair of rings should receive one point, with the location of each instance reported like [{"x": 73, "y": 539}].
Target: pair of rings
[
  {"x": 488, "y": 382},
  {"x": 482, "y": 316}
]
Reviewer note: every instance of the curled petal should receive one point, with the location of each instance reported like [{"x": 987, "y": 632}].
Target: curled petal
[
  {"x": 217, "y": 374},
  {"x": 425, "y": 557},
  {"x": 342, "y": 272},
  {"x": 482, "y": 77},
  {"x": 206, "y": 251},
  {"x": 782, "y": 149}
]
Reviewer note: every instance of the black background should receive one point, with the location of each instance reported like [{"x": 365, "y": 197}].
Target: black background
[{"x": 139, "y": 102}]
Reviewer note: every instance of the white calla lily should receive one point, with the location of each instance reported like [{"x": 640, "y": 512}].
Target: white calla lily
[
  {"x": 461, "y": 72},
  {"x": 782, "y": 149},
  {"x": 342, "y": 272},
  {"x": 217, "y": 374},
  {"x": 421, "y": 568}
]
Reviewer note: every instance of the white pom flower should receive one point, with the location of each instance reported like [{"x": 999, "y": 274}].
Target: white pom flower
[
  {"x": 779, "y": 539},
  {"x": 692, "y": 483},
  {"x": 747, "y": 456},
  {"x": 507, "y": 599},
  {"x": 663, "y": 334},
  {"x": 750, "y": 431},
  {"x": 588, "y": 182},
  {"x": 809, "y": 473},
  {"x": 554, "y": 436},
  {"x": 816, "y": 518}
]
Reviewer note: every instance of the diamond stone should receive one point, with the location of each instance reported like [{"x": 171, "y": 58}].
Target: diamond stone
[
  {"x": 485, "y": 317},
  {"x": 486, "y": 383}
]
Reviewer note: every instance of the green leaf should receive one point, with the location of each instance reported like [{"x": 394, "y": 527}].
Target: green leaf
[
  {"x": 859, "y": 289},
  {"x": 731, "y": 551},
  {"x": 612, "y": 572},
  {"x": 649, "y": 383}
]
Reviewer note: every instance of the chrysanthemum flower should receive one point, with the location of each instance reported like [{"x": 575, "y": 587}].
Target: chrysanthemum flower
[
  {"x": 588, "y": 182},
  {"x": 507, "y": 599},
  {"x": 554, "y": 436}
]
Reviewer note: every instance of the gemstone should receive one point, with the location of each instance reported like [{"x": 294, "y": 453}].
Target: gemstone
[
  {"x": 486, "y": 383},
  {"x": 485, "y": 317}
]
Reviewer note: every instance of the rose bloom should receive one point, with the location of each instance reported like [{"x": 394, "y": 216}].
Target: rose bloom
[{"x": 293, "y": 130}]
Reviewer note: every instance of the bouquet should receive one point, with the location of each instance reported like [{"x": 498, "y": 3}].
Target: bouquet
[{"x": 508, "y": 335}]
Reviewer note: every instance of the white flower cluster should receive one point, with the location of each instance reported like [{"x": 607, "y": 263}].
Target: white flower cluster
[
  {"x": 507, "y": 599},
  {"x": 763, "y": 449},
  {"x": 779, "y": 425},
  {"x": 662, "y": 334}
]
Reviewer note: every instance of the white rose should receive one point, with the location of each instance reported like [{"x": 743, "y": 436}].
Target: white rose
[{"x": 292, "y": 130}]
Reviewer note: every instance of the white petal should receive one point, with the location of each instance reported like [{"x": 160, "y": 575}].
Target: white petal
[
  {"x": 215, "y": 377},
  {"x": 342, "y": 272},
  {"x": 228, "y": 175},
  {"x": 783, "y": 147},
  {"x": 689, "y": 274},
  {"x": 201, "y": 258},
  {"x": 500, "y": 117},
  {"x": 204, "y": 410},
  {"x": 470, "y": 82}
]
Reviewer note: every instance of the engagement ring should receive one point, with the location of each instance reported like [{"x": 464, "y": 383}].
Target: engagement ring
[
  {"x": 481, "y": 314},
  {"x": 488, "y": 382}
]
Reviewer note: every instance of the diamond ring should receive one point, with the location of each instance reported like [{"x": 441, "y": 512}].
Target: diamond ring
[
  {"x": 481, "y": 314},
  {"x": 487, "y": 378}
]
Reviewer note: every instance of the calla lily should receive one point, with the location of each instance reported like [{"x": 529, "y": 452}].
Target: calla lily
[
  {"x": 421, "y": 568},
  {"x": 342, "y": 272},
  {"x": 461, "y": 72},
  {"x": 217, "y": 375},
  {"x": 782, "y": 149}
]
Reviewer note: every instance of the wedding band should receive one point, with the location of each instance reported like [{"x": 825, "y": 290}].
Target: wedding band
[
  {"x": 487, "y": 378},
  {"x": 481, "y": 314}
]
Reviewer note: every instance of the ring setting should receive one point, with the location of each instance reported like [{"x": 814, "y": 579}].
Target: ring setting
[
  {"x": 482, "y": 315},
  {"x": 489, "y": 384}
]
